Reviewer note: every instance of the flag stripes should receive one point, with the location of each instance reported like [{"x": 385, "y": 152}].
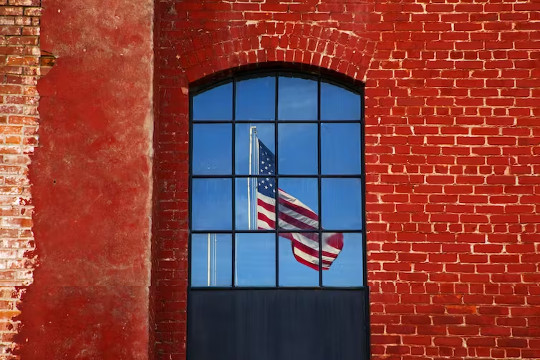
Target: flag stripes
[{"x": 292, "y": 215}]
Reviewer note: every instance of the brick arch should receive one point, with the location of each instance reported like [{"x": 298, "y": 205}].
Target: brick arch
[{"x": 344, "y": 52}]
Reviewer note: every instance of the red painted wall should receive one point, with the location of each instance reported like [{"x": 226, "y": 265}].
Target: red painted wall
[
  {"x": 91, "y": 184},
  {"x": 452, "y": 152}
]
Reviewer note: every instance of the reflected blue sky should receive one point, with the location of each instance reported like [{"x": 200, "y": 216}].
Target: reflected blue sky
[
  {"x": 256, "y": 99},
  {"x": 298, "y": 148},
  {"x": 256, "y": 260},
  {"x": 214, "y": 104},
  {"x": 211, "y": 204},
  {"x": 338, "y": 103},
  {"x": 212, "y": 199},
  {"x": 340, "y": 148},
  {"x": 214, "y": 159},
  {"x": 341, "y": 201},
  {"x": 297, "y": 99}
]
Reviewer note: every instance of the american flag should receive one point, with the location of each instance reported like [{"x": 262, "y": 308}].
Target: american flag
[{"x": 293, "y": 215}]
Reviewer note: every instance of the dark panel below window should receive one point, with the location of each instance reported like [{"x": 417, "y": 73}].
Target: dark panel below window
[{"x": 277, "y": 324}]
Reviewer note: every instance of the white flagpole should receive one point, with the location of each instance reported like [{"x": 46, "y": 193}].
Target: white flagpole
[
  {"x": 252, "y": 151},
  {"x": 254, "y": 171},
  {"x": 215, "y": 260},
  {"x": 208, "y": 262}
]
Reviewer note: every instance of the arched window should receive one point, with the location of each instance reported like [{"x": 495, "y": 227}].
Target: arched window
[
  {"x": 277, "y": 226},
  {"x": 277, "y": 183}
]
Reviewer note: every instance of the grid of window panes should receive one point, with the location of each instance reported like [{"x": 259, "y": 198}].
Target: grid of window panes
[{"x": 311, "y": 130}]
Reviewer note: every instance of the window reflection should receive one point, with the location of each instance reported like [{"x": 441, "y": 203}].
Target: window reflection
[
  {"x": 297, "y": 99},
  {"x": 211, "y": 260},
  {"x": 302, "y": 166},
  {"x": 340, "y": 148},
  {"x": 341, "y": 203},
  {"x": 298, "y": 148},
  {"x": 298, "y": 203},
  {"x": 263, "y": 132},
  {"x": 338, "y": 103},
  {"x": 212, "y": 149},
  {"x": 298, "y": 259},
  {"x": 253, "y": 209},
  {"x": 214, "y": 104},
  {"x": 256, "y": 99},
  {"x": 211, "y": 204},
  {"x": 346, "y": 269},
  {"x": 255, "y": 259}
]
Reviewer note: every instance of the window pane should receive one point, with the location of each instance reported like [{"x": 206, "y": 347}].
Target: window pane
[
  {"x": 298, "y": 259},
  {"x": 340, "y": 148},
  {"x": 211, "y": 204},
  {"x": 297, "y": 99},
  {"x": 265, "y": 134},
  {"x": 211, "y": 260},
  {"x": 346, "y": 270},
  {"x": 298, "y": 148},
  {"x": 214, "y": 104},
  {"x": 298, "y": 203},
  {"x": 255, "y": 204},
  {"x": 256, "y": 99},
  {"x": 341, "y": 203},
  {"x": 212, "y": 149},
  {"x": 255, "y": 259},
  {"x": 338, "y": 103}
]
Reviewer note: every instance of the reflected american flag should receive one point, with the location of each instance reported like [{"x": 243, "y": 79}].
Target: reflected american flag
[{"x": 293, "y": 215}]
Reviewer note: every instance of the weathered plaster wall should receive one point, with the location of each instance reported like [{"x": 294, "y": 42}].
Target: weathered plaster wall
[{"x": 91, "y": 180}]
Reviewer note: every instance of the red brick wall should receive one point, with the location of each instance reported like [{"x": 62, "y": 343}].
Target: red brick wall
[
  {"x": 452, "y": 152},
  {"x": 454, "y": 171},
  {"x": 19, "y": 70}
]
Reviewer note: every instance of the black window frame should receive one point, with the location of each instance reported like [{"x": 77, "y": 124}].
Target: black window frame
[{"x": 352, "y": 86}]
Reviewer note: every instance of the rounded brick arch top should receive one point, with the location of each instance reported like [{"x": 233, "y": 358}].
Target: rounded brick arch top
[
  {"x": 343, "y": 52},
  {"x": 236, "y": 46}
]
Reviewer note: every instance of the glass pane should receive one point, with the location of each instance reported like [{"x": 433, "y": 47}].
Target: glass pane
[
  {"x": 211, "y": 204},
  {"x": 255, "y": 203},
  {"x": 266, "y": 135},
  {"x": 297, "y": 99},
  {"x": 255, "y": 259},
  {"x": 340, "y": 148},
  {"x": 214, "y": 104},
  {"x": 341, "y": 203},
  {"x": 211, "y": 260},
  {"x": 338, "y": 103},
  {"x": 298, "y": 148},
  {"x": 256, "y": 99},
  {"x": 298, "y": 259},
  {"x": 345, "y": 269},
  {"x": 298, "y": 203},
  {"x": 212, "y": 149}
]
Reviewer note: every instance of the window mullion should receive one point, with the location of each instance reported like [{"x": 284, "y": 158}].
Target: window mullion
[
  {"x": 319, "y": 230},
  {"x": 276, "y": 179},
  {"x": 233, "y": 185}
]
